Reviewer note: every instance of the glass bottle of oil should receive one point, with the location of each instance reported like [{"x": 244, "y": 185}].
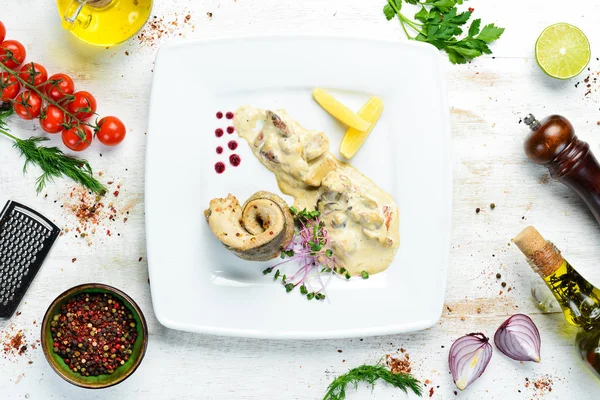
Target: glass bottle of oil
[
  {"x": 104, "y": 22},
  {"x": 578, "y": 298}
]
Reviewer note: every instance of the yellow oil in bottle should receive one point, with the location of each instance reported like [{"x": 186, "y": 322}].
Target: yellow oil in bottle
[
  {"x": 578, "y": 298},
  {"x": 104, "y": 22}
]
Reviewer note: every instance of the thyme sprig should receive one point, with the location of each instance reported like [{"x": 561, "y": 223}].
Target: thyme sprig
[
  {"x": 371, "y": 374},
  {"x": 51, "y": 160}
]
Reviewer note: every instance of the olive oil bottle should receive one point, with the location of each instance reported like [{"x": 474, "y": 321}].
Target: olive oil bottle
[
  {"x": 578, "y": 298},
  {"x": 104, "y": 22}
]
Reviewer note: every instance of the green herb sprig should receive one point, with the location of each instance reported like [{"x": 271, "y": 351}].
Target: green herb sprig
[
  {"x": 371, "y": 374},
  {"x": 51, "y": 160},
  {"x": 439, "y": 23}
]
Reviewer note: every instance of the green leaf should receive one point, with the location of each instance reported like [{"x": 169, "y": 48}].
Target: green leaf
[
  {"x": 442, "y": 5},
  {"x": 422, "y": 15},
  {"x": 455, "y": 57},
  {"x": 389, "y": 12},
  {"x": 466, "y": 52},
  {"x": 490, "y": 33},
  {"x": 474, "y": 28}
]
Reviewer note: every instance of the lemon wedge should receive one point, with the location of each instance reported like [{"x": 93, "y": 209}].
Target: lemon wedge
[
  {"x": 354, "y": 139},
  {"x": 339, "y": 111}
]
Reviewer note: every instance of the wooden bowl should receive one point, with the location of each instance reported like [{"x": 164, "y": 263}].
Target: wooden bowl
[{"x": 101, "y": 381}]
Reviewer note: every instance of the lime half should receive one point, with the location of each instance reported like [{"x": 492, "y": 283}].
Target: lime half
[{"x": 562, "y": 51}]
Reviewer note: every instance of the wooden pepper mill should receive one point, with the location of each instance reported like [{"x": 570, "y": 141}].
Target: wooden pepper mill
[{"x": 552, "y": 142}]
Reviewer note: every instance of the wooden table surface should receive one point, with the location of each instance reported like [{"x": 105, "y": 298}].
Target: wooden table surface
[{"x": 487, "y": 97}]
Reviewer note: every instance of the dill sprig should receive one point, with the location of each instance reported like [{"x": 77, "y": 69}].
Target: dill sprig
[
  {"x": 51, "y": 160},
  {"x": 370, "y": 374}
]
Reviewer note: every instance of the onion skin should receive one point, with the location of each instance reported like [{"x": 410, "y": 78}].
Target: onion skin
[
  {"x": 468, "y": 357},
  {"x": 518, "y": 338}
]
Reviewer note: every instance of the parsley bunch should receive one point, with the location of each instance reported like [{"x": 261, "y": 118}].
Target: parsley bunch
[{"x": 439, "y": 23}]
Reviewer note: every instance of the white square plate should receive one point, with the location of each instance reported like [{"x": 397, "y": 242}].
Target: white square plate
[{"x": 199, "y": 286}]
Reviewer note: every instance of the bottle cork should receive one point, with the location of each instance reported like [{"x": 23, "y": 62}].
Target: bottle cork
[{"x": 544, "y": 257}]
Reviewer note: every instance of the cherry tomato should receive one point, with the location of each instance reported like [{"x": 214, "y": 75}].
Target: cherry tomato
[
  {"x": 83, "y": 105},
  {"x": 2, "y": 32},
  {"x": 52, "y": 119},
  {"x": 12, "y": 53},
  {"x": 77, "y": 138},
  {"x": 9, "y": 87},
  {"x": 59, "y": 86},
  {"x": 33, "y": 73},
  {"x": 28, "y": 105},
  {"x": 111, "y": 131}
]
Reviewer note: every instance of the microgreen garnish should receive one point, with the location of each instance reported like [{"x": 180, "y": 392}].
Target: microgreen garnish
[
  {"x": 439, "y": 23},
  {"x": 309, "y": 248}
]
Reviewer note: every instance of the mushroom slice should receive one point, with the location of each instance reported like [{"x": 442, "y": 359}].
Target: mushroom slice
[{"x": 256, "y": 231}]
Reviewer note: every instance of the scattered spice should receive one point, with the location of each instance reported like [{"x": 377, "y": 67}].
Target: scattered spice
[
  {"x": 94, "y": 333},
  {"x": 73, "y": 259},
  {"x": 431, "y": 391},
  {"x": 14, "y": 342},
  {"x": 158, "y": 29},
  {"x": 477, "y": 210},
  {"x": 498, "y": 276},
  {"x": 92, "y": 211},
  {"x": 540, "y": 386},
  {"x": 399, "y": 365},
  {"x": 492, "y": 206}
]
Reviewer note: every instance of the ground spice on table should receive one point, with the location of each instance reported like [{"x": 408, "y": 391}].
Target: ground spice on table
[
  {"x": 398, "y": 365},
  {"x": 94, "y": 333},
  {"x": 14, "y": 342}
]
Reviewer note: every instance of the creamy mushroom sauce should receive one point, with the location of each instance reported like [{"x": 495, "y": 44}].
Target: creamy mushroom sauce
[{"x": 361, "y": 219}]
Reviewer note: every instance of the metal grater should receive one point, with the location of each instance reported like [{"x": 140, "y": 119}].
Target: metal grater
[{"x": 25, "y": 240}]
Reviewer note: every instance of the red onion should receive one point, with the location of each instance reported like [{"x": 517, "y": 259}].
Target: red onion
[
  {"x": 519, "y": 339},
  {"x": 469, "y": 355}
]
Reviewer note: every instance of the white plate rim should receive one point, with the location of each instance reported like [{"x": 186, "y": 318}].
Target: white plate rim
[{"x": 319, "y": 334}]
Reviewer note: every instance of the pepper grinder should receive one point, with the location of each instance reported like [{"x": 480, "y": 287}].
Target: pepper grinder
[{"x": 552, "y": 142}]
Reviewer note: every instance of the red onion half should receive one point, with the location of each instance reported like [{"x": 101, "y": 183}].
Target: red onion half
[
  {"x": 468, "y": 357},
  {"x": 519, "y": 339}
]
